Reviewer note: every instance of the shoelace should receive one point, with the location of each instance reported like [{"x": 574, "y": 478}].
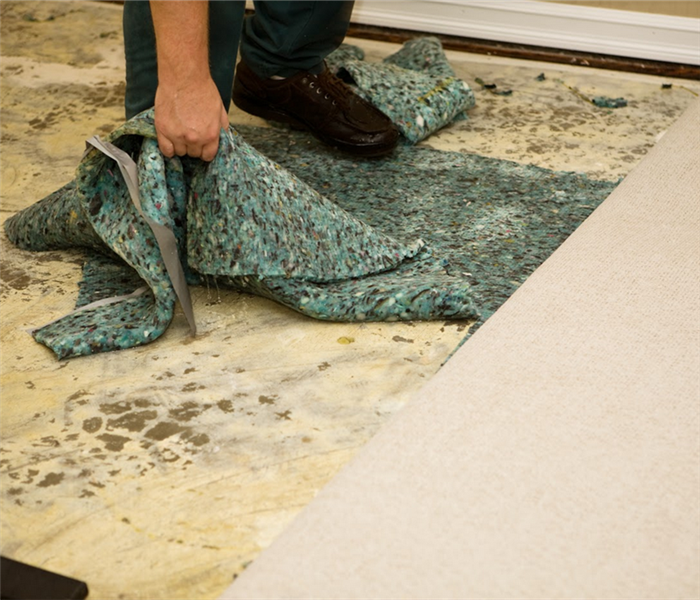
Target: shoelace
[{"x": 331, "y": 87}]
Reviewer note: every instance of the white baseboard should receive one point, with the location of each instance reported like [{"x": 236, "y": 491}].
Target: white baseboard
[{"x": 564, "y": 26}]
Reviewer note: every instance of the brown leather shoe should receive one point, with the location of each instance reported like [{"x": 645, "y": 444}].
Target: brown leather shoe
[{"x": 323, "y": 104}]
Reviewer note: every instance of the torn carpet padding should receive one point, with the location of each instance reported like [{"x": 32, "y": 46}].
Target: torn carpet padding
[
  {"x": 415, "y": 87},
  {"x": 242, "y": 220}
]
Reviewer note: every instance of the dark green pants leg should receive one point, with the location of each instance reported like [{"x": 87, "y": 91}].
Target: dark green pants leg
[
  {"x": 225, "y": 23},
  {"x": 286, "y": 36},
  {"x": 283, "y": 37}
]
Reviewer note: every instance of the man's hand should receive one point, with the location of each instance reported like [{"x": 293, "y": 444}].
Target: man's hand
[
  {"x": 188, "y": 119},
  {"x": 189, "y": 113}
]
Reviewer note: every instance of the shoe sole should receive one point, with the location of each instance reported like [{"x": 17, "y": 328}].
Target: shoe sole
[{"x": 254, "y": 107}]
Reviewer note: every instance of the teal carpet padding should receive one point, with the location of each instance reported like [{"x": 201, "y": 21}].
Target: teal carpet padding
[
  {"x": 415, "y": 87},
  {"x": 241, "y": 219},
  {"x": 488, "y": 222},
  {"x": 418, "y": 235},
  {"x": 354, "y": 254}
]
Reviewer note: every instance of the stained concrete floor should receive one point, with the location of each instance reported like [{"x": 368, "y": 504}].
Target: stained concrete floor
[{"x": 162, "y": 471}]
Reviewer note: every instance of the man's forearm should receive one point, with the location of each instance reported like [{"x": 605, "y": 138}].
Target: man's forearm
[
  {"x": 189, "y": 111},
  {"x": 182, "y": 41}
]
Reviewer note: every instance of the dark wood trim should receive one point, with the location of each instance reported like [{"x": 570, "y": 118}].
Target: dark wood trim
[{"x": 524, "y": 52}]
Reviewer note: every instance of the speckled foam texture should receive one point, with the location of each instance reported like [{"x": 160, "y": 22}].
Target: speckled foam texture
[
  {"x": 330, "y": 236},
  {"x": 98, "y": 202},
  {"x": 416, "y": 87},
  {"x": 242, "y": 219},
  {"x": 423, "y": 54},
  {"x": 247, "y": 216},
  {"x": 488, "y": 222}
]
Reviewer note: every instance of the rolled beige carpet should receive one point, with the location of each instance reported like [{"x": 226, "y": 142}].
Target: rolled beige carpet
[{"x": 557, "y": 454}]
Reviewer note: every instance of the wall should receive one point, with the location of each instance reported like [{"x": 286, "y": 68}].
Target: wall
[{"x": 675, "y": 8}]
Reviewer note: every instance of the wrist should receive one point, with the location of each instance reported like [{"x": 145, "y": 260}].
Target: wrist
[{"x": 181, "y": 78}]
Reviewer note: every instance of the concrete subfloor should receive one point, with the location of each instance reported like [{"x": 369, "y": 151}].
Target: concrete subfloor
[{"x": 162, "y": 471}]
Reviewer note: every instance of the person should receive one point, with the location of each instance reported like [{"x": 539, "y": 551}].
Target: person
[{"x": 181, "y": 59}]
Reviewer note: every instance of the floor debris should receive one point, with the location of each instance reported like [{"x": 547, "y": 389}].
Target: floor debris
[{"x": 492, "y": 87}]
